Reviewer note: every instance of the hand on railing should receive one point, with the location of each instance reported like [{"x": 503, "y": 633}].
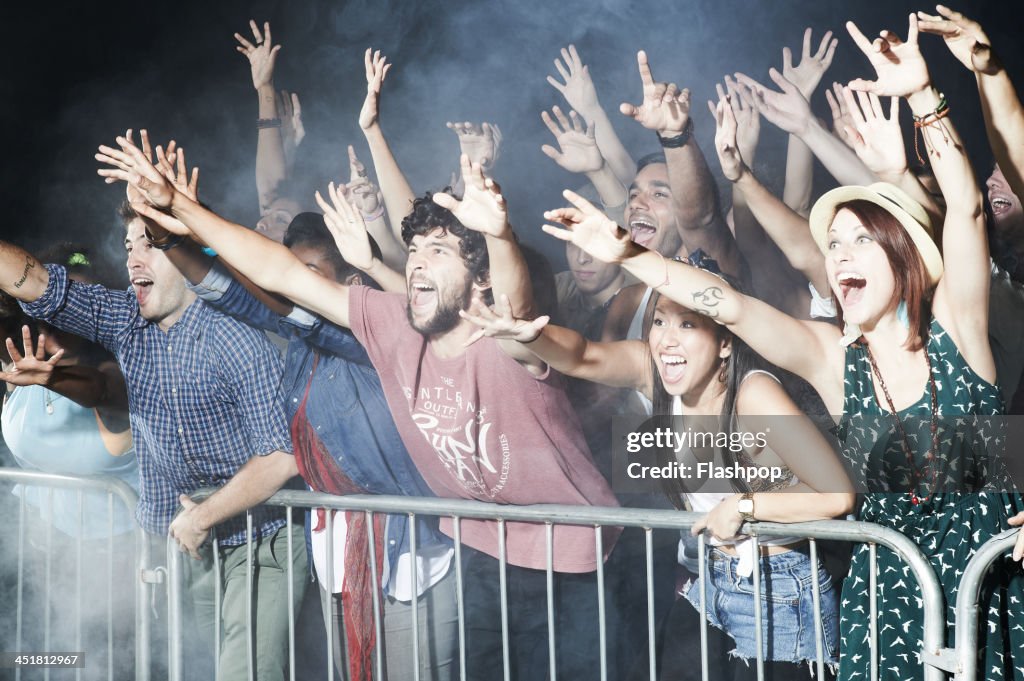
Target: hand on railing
[{"x": 185, "y": 530}]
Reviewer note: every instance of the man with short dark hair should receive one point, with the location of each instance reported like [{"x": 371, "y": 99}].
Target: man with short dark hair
[{"x": 205, "y": 411}]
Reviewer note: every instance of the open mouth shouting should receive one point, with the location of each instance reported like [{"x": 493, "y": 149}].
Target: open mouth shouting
[
  {"x": 674, "y": 366},
  {"x": 642, "y": 229},
  {"x": 1000, "y": 204},
  {"x": 851, "y": 288},
  {"x": 143, "y": 286},
  {"x": 422, "y": 295}
]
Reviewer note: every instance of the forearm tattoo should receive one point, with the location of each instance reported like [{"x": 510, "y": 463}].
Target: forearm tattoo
[
  {"x": 29, "y": 264},
  {"x": 708, "y": 300}
]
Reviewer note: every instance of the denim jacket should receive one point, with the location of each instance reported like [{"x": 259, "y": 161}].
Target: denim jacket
[{"x": 346, "y": 406}]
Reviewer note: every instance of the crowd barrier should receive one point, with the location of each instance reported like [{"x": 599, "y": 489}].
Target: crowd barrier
[
  {"x": 939, "y": 661},
  {"x": 145, "y": 575},
  {"x": 646, "y": 519}
]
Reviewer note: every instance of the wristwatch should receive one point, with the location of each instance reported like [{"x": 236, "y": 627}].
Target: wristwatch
[{"x": 745, "y": 506}]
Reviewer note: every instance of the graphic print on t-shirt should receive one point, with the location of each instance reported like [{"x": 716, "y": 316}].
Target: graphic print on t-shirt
[{"x": 460, "y": 433}]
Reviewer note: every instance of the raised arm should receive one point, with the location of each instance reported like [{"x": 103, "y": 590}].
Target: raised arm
[
  {"x": 666, "y": 110},
  {"x": 348, "y": 228},
  {"x": 578, "y": 152},
  {"x": 368, "y": 199},
  {"x": 809, "y": 349},
  {"x": 268, "y": 264},
  {"x": 579, "y": 91},
  {"x": 271, "y": 165},
  {"x": 789, "y": 110},
  {"x": 1004, "y": 114},
  {"x": 483, "y": 209},
  {"x": 961, "y": 297},
  {"x": 878, "y": 141},
  {"x": 398, "y": 195},
  {"x": 21, "y": 274},
  {"x": 799, "y": 160},
  {"x": 786, "y": 227}
]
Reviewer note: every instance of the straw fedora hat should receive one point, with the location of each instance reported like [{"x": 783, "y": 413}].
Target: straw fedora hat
[{"x": 906, "y": 210}]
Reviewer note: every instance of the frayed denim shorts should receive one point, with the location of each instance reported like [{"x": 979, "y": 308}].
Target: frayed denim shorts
[{"x": 787, "y": 606}]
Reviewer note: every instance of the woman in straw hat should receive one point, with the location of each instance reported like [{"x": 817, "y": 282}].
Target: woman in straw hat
[{"x": 914, "y": 343}]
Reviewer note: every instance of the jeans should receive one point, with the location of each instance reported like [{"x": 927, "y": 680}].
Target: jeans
[
  {"x": 438, "y": 620},
  {"x": 269, "y": 598},
  {"x": 787, "y": 608},
  {"x": 576, "y": 621}
]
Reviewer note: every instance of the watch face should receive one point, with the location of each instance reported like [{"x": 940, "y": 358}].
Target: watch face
[{"x": 745, "y": 506}]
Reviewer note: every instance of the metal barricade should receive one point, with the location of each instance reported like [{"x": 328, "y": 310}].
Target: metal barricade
[
  {"x": 964, "y": 657},
  {"x": 113, "y": 487},
  {"x": 550, "y": 515}
]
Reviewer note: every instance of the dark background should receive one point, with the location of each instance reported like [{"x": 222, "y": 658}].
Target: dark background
[{"x": 76, "y": 76}]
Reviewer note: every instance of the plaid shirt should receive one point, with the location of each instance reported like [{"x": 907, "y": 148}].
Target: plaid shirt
[{"x": 204, "y": 396}]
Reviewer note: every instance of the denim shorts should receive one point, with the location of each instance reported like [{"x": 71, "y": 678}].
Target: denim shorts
[{"x": 787, "y": 606}]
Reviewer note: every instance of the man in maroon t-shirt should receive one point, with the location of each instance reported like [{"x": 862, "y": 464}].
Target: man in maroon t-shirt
[{"x": 481, "y": 420}]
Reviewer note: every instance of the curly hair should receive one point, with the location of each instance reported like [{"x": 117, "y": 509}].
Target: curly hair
[{"x": 426, "y": 216}]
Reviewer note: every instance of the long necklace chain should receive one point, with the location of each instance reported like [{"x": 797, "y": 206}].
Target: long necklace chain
[{"x": 904, "y": 440}]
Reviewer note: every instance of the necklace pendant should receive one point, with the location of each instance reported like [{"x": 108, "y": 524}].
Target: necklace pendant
[{"x": 49, "y": 409}]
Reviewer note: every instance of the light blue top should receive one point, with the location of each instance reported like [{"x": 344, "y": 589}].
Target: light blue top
[{"x": 66, "y": 441}]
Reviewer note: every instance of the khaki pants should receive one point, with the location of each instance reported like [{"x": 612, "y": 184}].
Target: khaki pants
[{"x": 269, "y": 624}]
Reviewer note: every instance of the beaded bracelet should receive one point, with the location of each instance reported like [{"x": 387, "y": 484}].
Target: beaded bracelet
[{"x": 930, "y": 119}]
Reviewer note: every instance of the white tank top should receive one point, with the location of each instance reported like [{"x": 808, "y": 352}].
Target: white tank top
[{"x": 703, "y": 502}]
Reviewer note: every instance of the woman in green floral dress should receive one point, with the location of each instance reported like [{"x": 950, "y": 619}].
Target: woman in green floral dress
[{"x": 914, "y": 342}]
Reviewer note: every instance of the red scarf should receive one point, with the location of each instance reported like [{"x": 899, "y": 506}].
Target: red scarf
[{"x": 319, "y": 469}]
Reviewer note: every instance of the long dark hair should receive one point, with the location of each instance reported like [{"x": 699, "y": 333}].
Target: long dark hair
[{"x": 741, "y": 361}]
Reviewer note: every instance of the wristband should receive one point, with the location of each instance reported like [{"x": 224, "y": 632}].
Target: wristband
[
  {"x": 930, "y": 119},
  {"x": 679, "y": 140},
  {"x": 375, "y": 215},
  {"x": 165, "y": 244},
  {"x": 264, "y": 123}
]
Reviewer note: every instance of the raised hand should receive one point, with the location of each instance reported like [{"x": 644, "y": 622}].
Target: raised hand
[
  {"x": 665, "y": 108},
  {"x": 175, "y": 168},
  {"x": 877, "y": 140},
  {"x": 748, "y": 119},
  {"x": 840, "y": 113},
  {"x": 788, "y": 109},
  {"x": 482, "y": 143},
  {"x": 578, "y": 89},
  {"x": 964, "y": 38},
  {"x": 376, "y": 70},
  {"x": 261, "y": 55},
  {"x": 590, "y": 229},
  {"x": 32, "y": 368},
  {"x": 500, "y": 324},
  {"x": 482, "y": 207},
  {"x": 130, "y": 165},
  {"x": 807, "y": 74},
  {"x": 578, "y": 151},
  {"x": 363, "y": 193},
  {"x": 725, "y": 138},
  {"x": 346, "y": 225},
  {"x": 292, "y": 130},
  {"x": 900, "y": 68}
]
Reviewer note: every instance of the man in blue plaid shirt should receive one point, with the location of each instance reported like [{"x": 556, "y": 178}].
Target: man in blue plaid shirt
[{"x": 206, "y": 411}]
